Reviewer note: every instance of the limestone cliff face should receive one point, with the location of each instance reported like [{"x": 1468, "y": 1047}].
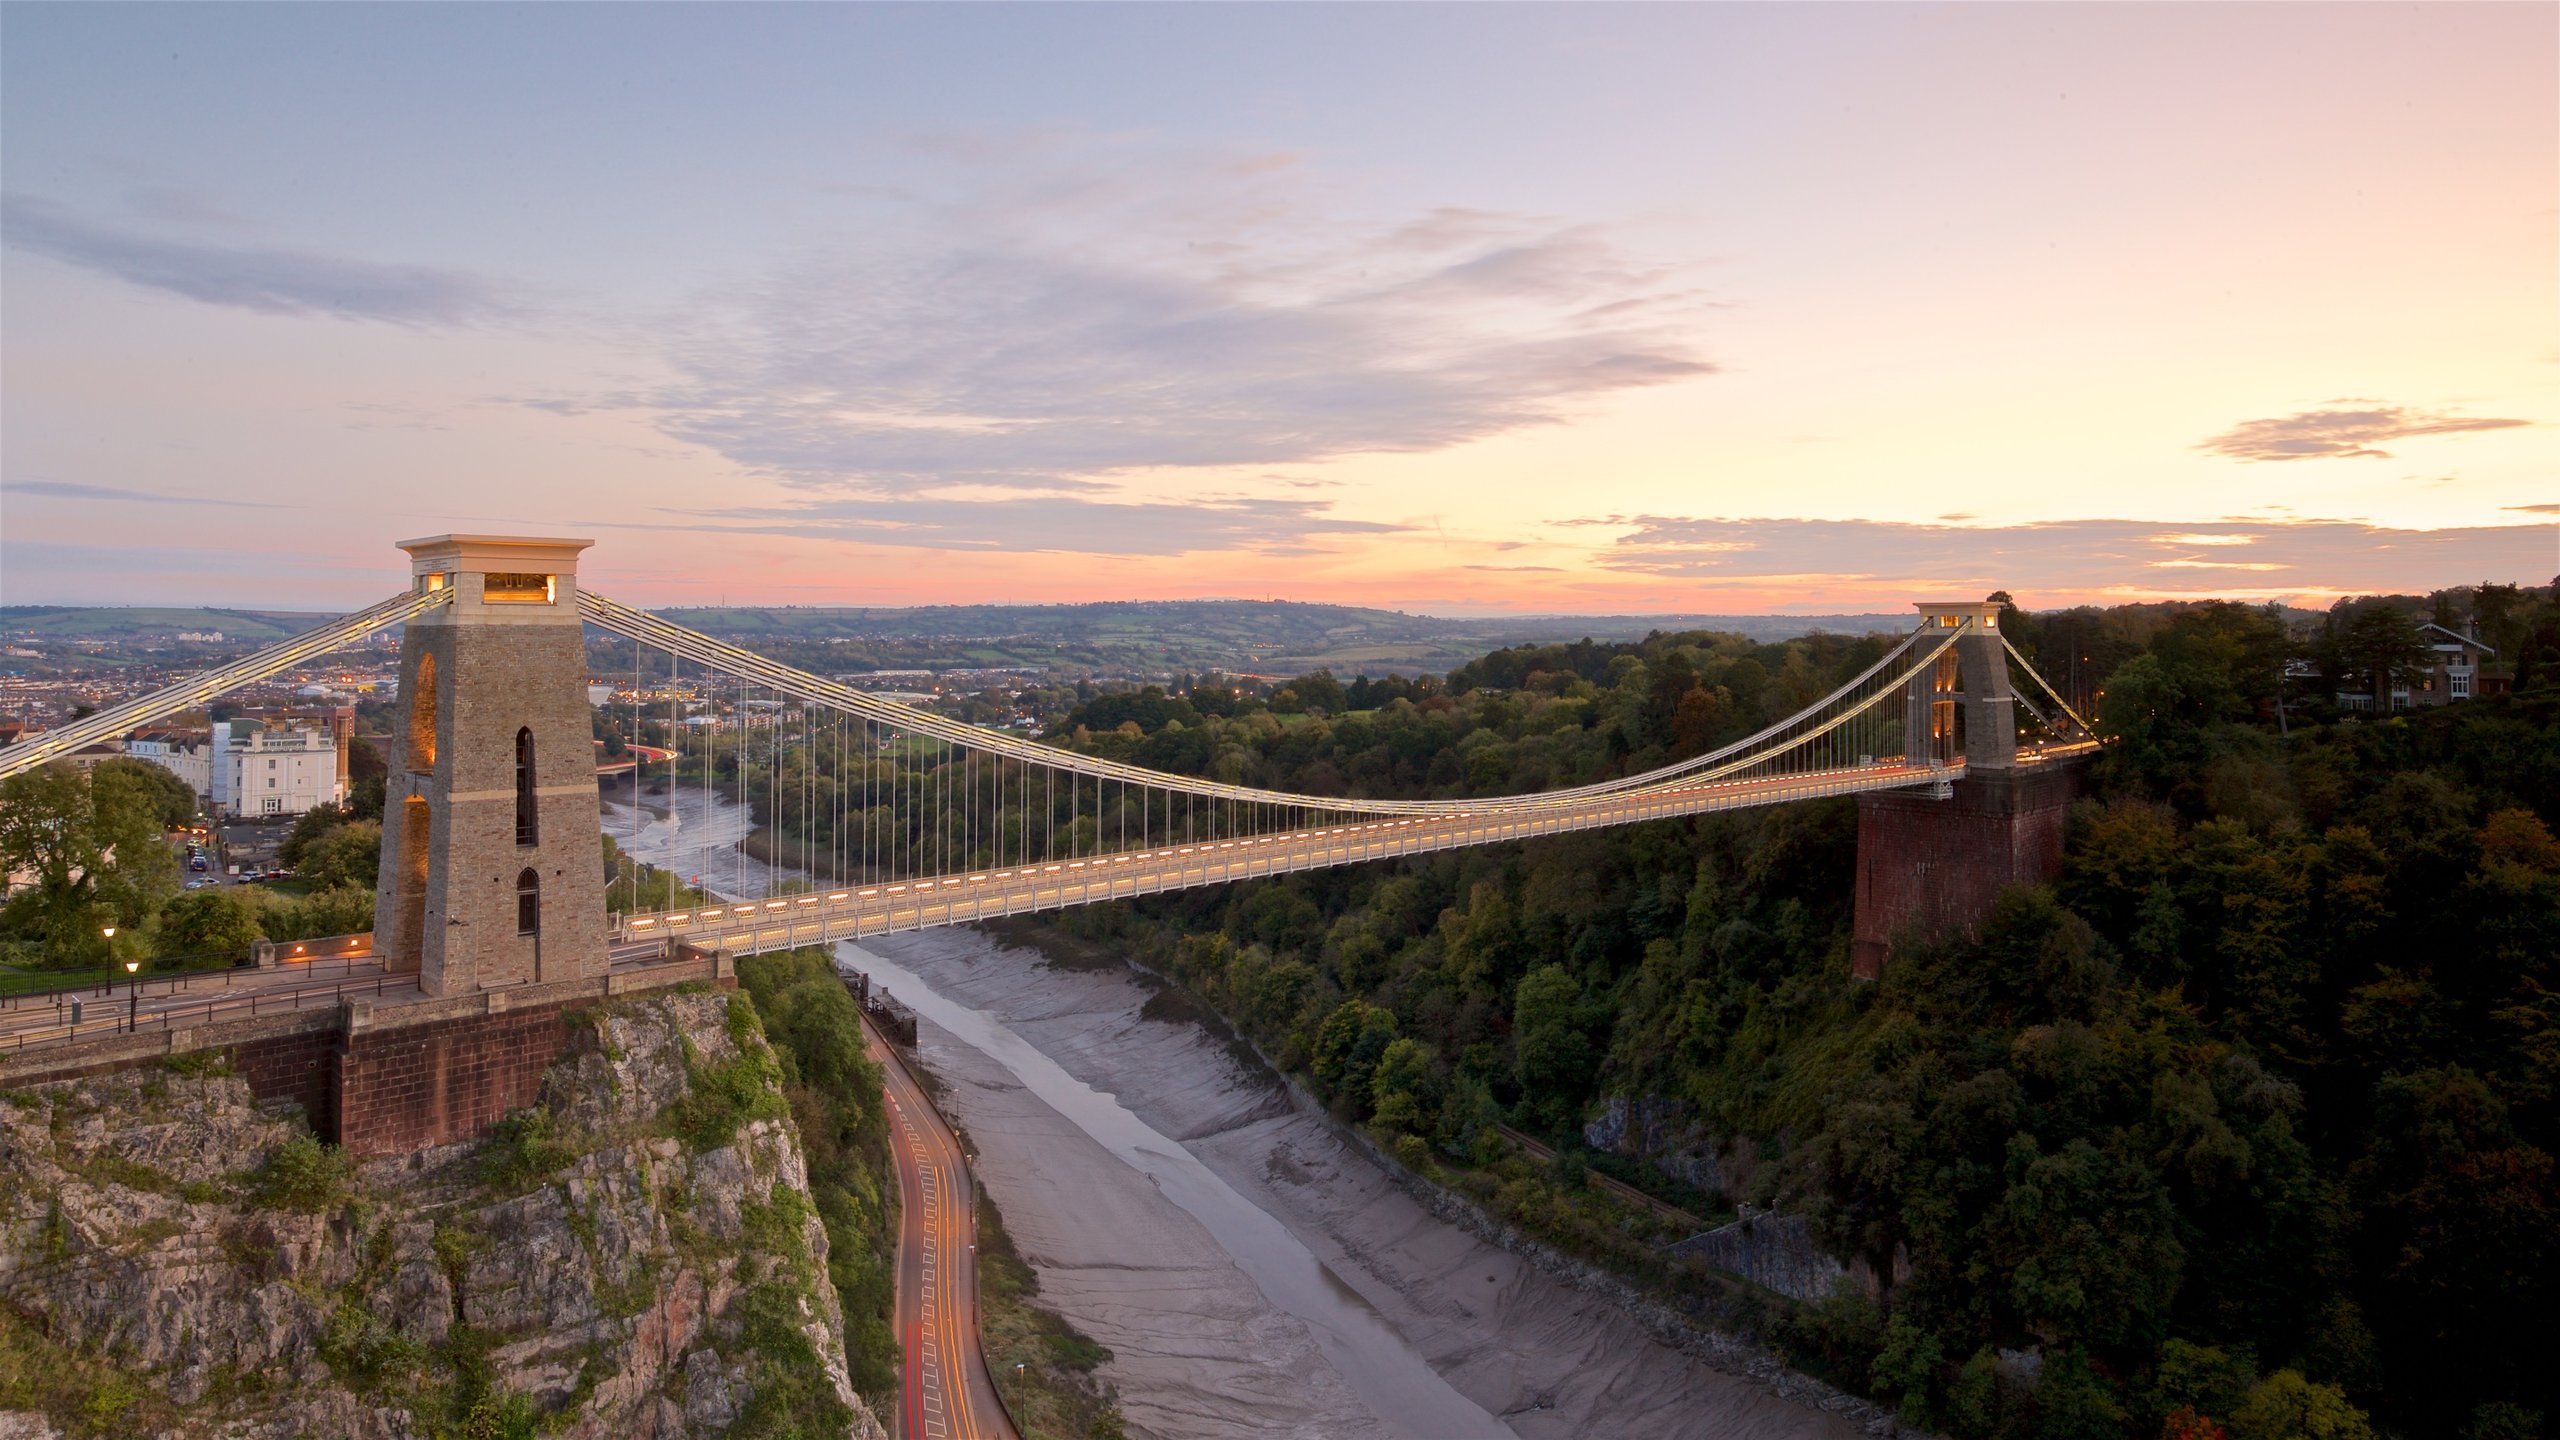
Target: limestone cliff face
[{"x": 636, "y": 1259}]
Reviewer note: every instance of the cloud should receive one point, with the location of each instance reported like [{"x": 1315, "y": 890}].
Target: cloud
[
  {"x": 2341, "y": 433},
  {"x": 2073, "y": 556},
  {"x": 1085, "y": 308},
  {"x": 2535, "y": 509},
  {"x": 1057, "y": 523},
  {"x": 57, "y": 490},
  {"x": 272, "y": 282}
]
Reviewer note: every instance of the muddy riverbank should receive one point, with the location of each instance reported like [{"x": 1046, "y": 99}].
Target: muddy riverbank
[{"x": 1215, "y": 1326}]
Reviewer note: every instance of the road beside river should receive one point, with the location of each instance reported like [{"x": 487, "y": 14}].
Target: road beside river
[{"x": 1252, "y": 1274}]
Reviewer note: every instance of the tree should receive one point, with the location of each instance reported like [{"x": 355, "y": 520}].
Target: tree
[
  {"x": 208, "y": 923},
  {"x": 167, "y": 797},
  {"x": 1349, "y": 1045},
  {"x": 348, "y": 855},
  {"x": 2285, "y": 1406},
  {"x": 345, "y": 910},
  {"x": 93, "y": 849},
  {"x": 1405, "y": 1089},
  {"x": 1320, "y": 691},
  {"x": 1703, "y": 715},
  {"x": 2087, "y": 1238},
  {"x": 2206, "y": 1378},
  {"x": 1550, "y": 1054},
  {"x": 2154, "y": 742},
  {"x": 2494, "y": 609},
  {"x": 2375, "y": 642},
  {"x": 2462, "y": 1231},
  {"x": 2073, "y": 1402},
  {"x": 313, "y": 823}
]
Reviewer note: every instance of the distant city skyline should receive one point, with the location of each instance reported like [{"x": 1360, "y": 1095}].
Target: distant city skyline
[{"x": 1450, "y": 309}]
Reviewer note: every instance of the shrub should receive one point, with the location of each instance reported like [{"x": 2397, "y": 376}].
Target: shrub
[
  {"x": 211, "y": 923},
  {"x": 723, "y": 1097},
  {"x": 522, "y": 1151},
  {"x": 302, "y": 1174}
]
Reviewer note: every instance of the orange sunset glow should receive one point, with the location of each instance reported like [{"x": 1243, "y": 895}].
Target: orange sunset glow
[{"x": 1711, "y": 309}]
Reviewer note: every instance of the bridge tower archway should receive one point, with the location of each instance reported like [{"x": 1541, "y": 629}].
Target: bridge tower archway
[
  {"x": 1962, "y": 707},
  {"x": 493, "y": 678},
  {"x": 1931, "y": 863}
]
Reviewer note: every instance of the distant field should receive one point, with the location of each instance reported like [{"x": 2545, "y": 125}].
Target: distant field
[
  {"x": 1252, "y": 636},
  {"x": 117, "y": 622},
  {"x": 1172, "y": 636}
]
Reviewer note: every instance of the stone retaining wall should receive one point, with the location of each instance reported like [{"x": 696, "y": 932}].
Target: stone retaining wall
[{"x": 386, "y": 1079}]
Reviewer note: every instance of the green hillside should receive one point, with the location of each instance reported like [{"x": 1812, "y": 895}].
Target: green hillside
[{"x": 110, "y": 622}]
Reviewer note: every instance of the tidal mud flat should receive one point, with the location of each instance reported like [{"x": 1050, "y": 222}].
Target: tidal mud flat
[{"x": 1252, "y": 1273}]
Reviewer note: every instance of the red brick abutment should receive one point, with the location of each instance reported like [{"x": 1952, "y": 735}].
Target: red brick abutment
[
  {"x": 1930, "y": 869},
  {"x": 387, "y": 1079}
]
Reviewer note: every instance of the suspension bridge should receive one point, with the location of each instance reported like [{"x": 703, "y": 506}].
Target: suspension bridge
[
  {"x": 492, "y": 925},
  {"x": 903, "y": 818}
]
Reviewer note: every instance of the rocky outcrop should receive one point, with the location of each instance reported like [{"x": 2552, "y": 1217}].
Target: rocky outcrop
[
  {"x": 1776, "y": 1252},
  {"x": 1661, "y": 1132},
  {"x": 635, "y": 1259}
]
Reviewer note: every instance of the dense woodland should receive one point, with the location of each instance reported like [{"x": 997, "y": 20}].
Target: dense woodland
[{"x": 2245, "y": 1127}]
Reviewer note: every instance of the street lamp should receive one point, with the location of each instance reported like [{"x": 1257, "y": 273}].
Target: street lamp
[
  {"x": 110, "y": 932},
  {"x": 132, "y": 995}
]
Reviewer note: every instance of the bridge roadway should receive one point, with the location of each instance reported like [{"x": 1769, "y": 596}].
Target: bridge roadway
[{"x": 855, "y": 912}]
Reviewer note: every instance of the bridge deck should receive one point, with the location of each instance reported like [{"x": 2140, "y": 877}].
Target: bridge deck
[{"x": 855, "y": 912}]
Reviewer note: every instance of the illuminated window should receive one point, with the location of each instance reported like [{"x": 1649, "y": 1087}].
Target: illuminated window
[
  {"x": 528, "y": 903},
  {"x": 519, "y": 589}
]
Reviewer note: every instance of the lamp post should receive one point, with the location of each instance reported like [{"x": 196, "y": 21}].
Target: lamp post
[
  {"x": 132, "y": 995},
  {"x": 109, "y": 932}
]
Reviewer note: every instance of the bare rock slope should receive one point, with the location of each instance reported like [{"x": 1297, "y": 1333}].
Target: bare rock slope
[{"x": 636, "y": 1259}]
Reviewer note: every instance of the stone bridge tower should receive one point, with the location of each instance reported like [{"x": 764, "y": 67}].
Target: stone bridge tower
[
  {"x": 1930, "y": 866},
  {"x": 491, "y": 863}
]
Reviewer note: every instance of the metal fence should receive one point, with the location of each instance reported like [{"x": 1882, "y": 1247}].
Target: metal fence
[
  {"x": 122, "y": 1014},
  {"x": 341, "y": 954}
]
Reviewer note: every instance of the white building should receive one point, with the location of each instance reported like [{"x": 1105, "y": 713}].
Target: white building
[
  {"x": 185, "y": 754},
  {"x": 275, "y": 772}
]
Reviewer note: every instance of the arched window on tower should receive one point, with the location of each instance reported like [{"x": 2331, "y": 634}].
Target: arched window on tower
[
  {"x": 528, "y": 826},
  {"x": 528, "y": 902}
]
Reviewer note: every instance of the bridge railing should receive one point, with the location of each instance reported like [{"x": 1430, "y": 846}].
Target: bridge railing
[{"x": 852, "y": 912}]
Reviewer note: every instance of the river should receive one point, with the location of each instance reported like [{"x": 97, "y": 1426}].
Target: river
[{"x": 1252, "y": 1275}]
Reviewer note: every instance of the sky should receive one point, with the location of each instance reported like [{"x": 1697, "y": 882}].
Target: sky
[{"x": 1447, "y": 308}]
